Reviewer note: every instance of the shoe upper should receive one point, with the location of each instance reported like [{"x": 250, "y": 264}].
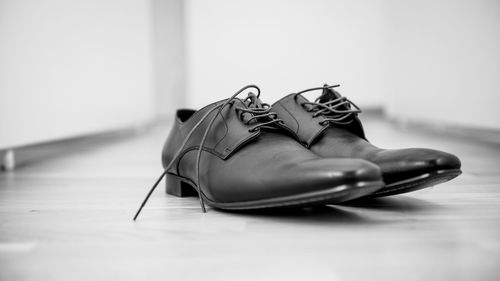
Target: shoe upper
[
  {"x": 250, "y": 155},
  {"x": 337, "y": 132}
]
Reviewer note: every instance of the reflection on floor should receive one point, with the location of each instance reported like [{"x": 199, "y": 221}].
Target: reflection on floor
[{"x": 69, "y": 218}]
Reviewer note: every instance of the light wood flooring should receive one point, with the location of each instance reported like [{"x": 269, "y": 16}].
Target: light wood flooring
[{"x": 69, "y": 217}]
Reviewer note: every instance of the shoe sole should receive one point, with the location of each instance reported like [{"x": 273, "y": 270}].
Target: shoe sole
[
  {"x": 417, "y": 183},
  {"x": 183, "y": 187}
]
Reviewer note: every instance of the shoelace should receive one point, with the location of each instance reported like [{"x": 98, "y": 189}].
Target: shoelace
[
  {"x": 256, "y": 109},
  {"x": 332, "y": 108},
  {"x": 259, "y": 112}
]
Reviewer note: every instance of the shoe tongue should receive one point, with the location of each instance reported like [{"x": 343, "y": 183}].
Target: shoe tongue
[
  {"x": 253, "y": 101},
  {"x": 328, "y": 95},
  {"x": 331, "y": 94}
]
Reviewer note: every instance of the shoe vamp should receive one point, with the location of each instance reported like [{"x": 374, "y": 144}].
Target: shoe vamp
[
  {"x": 273, "y": 165},
  {"x": 395, "y": 164}
]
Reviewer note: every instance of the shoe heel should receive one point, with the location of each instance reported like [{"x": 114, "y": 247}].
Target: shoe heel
[{"x": 175, "y": 186}]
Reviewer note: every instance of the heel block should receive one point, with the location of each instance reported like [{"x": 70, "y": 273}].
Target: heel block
[{"x": 178, "y": 187}]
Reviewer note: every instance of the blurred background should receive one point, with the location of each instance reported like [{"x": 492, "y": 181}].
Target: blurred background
[
  {"x": 72, "y": 68},
  {"x": 88, "y": 91}
]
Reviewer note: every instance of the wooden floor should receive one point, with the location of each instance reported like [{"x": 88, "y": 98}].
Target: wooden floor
[{"x": 70, "y": 218}]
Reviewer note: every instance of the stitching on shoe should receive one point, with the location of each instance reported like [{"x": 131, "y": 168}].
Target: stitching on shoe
[{"x": 225, "y": 132}]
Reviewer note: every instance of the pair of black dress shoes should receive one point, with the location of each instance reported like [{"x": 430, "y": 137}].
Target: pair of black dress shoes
[{"x": 239, "y": 154}]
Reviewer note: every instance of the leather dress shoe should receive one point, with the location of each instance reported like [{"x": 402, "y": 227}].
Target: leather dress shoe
[
  {"x": 249, "y": 159},
  {"x": 329, "y": 127}
]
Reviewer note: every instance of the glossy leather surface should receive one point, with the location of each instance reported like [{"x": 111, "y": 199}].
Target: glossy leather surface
[
  {"x": 237, "y": 165},
  {"x": 349, "y": 141}
]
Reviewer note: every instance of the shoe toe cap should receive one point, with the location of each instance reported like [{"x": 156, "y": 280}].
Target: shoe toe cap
[
  {"x": 312, "y": 175},
  {"x": 445, "y": 160},
  {"x": 337, "y": 171},
  {"x": 402, "y": 164}
]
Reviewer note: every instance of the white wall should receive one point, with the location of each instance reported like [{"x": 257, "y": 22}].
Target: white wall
[
  {"x": 422, "y": 60},
  {"x": 443, "y": 61},
  {"x": 169, "y": 60},
  {"x": 70, "y": 67},
  {"x": 73, "y": 67},
  {"x": 283, "y": 46}
]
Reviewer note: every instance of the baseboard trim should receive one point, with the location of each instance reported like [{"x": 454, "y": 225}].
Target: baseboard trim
[
  {"x": 481, "y": 135},
  {"x": 17, "y": 157}
]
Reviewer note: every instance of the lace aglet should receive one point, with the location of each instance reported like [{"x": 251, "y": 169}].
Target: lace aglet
[
  {"x": 149, "y": 194},
  {"x": 137, "y": 213},
  {"x": 202, "y": 205}
]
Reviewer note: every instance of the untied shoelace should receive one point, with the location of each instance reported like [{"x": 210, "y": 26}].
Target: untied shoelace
[{"x": 258, "y": 112}]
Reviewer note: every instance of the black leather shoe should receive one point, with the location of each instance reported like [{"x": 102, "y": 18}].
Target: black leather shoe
[
  {"x": 329, "y": 127},
  {"x": 250, "y": 160}
]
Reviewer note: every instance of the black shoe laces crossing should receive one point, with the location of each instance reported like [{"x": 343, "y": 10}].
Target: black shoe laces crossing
[
  {"x": 257, "y": 113},
  {"x": 338, "y": 110}
]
